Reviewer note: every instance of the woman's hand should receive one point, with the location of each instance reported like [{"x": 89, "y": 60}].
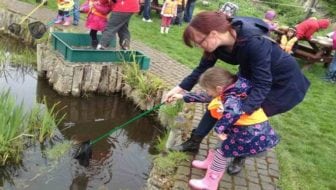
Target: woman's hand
[
  {"x": 177, "y": 96},
  {"x": 222, "y": 136},
  {"x": 169, "y": 97}
]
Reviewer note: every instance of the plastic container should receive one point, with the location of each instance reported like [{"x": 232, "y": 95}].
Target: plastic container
[{"x": 76, "y": 47}]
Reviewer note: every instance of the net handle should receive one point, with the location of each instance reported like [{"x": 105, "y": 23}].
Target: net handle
[
  {"x": 126, "y": 123},
  {"x": 28, "y": 15}
]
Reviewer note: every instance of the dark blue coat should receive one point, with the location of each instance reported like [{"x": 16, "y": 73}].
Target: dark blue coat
[{"x": 278, "y": 83}]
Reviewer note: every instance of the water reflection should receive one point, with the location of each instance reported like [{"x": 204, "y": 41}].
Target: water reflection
[{"x": 121, "y": 161}]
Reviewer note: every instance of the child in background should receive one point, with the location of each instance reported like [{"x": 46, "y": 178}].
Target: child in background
[
  {"x": 96, "y": 20},
  {"x": 168, "y": 11},
  {"x": 241, "y": 134},
  {"x": 269, "y": 17},
  {"x": 331, "y": 74},
  {"x": 64, "y": 8},
  {"x": 288, "y": 40}
]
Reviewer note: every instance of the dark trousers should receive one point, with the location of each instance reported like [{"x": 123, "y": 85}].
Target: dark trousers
[
  {"x": 205, "y": 125},
  {"x": 117, "y": 24}
]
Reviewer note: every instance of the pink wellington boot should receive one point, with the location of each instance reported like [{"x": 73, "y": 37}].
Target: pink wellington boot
[
  {"x": 67, "y": 21},
  {"x": 209, "y": 182},
  {"x": 205, "y": 163},
  {"x": 59, "y": 19}
]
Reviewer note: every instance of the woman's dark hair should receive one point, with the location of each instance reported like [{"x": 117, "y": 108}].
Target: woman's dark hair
[{"x": 205, "y": 22}]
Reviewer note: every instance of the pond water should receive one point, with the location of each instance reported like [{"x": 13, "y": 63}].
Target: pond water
[{"x": 121, "y": 161}]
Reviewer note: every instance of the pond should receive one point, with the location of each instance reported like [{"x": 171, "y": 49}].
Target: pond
[{"x": 121, "y": 161}]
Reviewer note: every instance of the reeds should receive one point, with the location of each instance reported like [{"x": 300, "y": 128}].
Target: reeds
[
  {"x": 43, "y": 122},
  {"x": 12, "y": 128},
  {"x": 16, "y": 125},
  {"x": 146, "y": 84}
]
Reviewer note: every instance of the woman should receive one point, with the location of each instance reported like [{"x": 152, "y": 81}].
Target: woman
[{"x": 278, "y": 84}]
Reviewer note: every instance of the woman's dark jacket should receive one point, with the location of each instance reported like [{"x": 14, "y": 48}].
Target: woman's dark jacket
[{"x": 278, "y": 83}]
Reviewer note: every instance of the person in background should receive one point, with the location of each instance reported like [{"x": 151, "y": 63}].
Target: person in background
[
  {"x": 189, "y": 10},
  {"x": 168, "y": 11},
  {"x": 121, "y": 13},
  {"x": 278, "y": 83},
  {"x": 306, "y": 29},
  {"x": 76, "y": 13},
  {"x": 146, "y": 11},
  {"x": 96, "y": 20},
  {"x": 269, "y": 17},
  {"x": 288, "y": 40},
  {"x": 230, "y": 9},
  {"x": 180, "y": 9},
  {"x": 331, "y": 73},
  {"x": 241, "y": 134},
  {"x": 64, "y": 8}
]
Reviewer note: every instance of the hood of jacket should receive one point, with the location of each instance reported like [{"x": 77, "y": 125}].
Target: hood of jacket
[{"x": 323, "y": 23}]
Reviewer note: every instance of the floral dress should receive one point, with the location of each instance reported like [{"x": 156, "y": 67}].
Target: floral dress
[{"x": 242, "y": 140}]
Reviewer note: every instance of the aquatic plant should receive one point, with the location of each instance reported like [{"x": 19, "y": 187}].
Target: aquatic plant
[
  {"x": 12, "y": 129},
  {"x": 161, "y": 145},
  {"x": 146, "y": 85},
  {"x": 58, "y": 151},
  {"x": 43, "y": 122},
  {"x": 166, "y": 165},
  {"x": 169, "y": 112},
  {"x": 24, "y": 56},
  {"x": 131, "y": 73}
]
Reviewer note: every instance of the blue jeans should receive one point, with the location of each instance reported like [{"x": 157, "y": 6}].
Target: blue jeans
[
  {"x": 332, "y": 66},
  {"x": 188, "y": 11},
  {"x": 147, "y": 9},
  {"x": 75, "y": 10},
  {"x": 205, "y": 125}
]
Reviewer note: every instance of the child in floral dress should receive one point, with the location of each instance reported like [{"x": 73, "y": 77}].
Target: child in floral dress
[{"x": 242, "y": 134}]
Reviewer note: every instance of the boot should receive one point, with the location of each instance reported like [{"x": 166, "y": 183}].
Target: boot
[
  {"x": 59, "y": 19},
  {"x": 209, "y": 182},
  {"x": 125, "y": 45},
  {"x": 236, "y": 165},
  {"x": 94, "y": 43},
  {"x": 162, "y": 30},
  {"x": 205, "y": 163},
  {"x": 166, "y": 30},
  {"x": 191, "y": 145},
  {"x": 67, "y": 21}
]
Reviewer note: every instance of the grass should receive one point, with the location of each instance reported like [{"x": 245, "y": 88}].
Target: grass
[{"x": 306, "y": 153}]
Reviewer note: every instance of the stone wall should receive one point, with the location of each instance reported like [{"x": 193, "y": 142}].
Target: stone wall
[{"x": 76, "y": 79}]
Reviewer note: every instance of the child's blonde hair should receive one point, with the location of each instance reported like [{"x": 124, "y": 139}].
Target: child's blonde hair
[{"x": 216, "y": 76}]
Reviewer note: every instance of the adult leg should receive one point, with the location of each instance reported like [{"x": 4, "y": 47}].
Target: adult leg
[
  {"x": 123, "y": 32},
  {"x": 236, "y": 165},
  {"x": 116, "y": 21},
  {"x": 192, "y": 144},
  {"x": 76, "y": 14},
  {"x": 188, "y": 12},
  {"x": 147, "y": 10},
  {"x": 331, "y": 73}
]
